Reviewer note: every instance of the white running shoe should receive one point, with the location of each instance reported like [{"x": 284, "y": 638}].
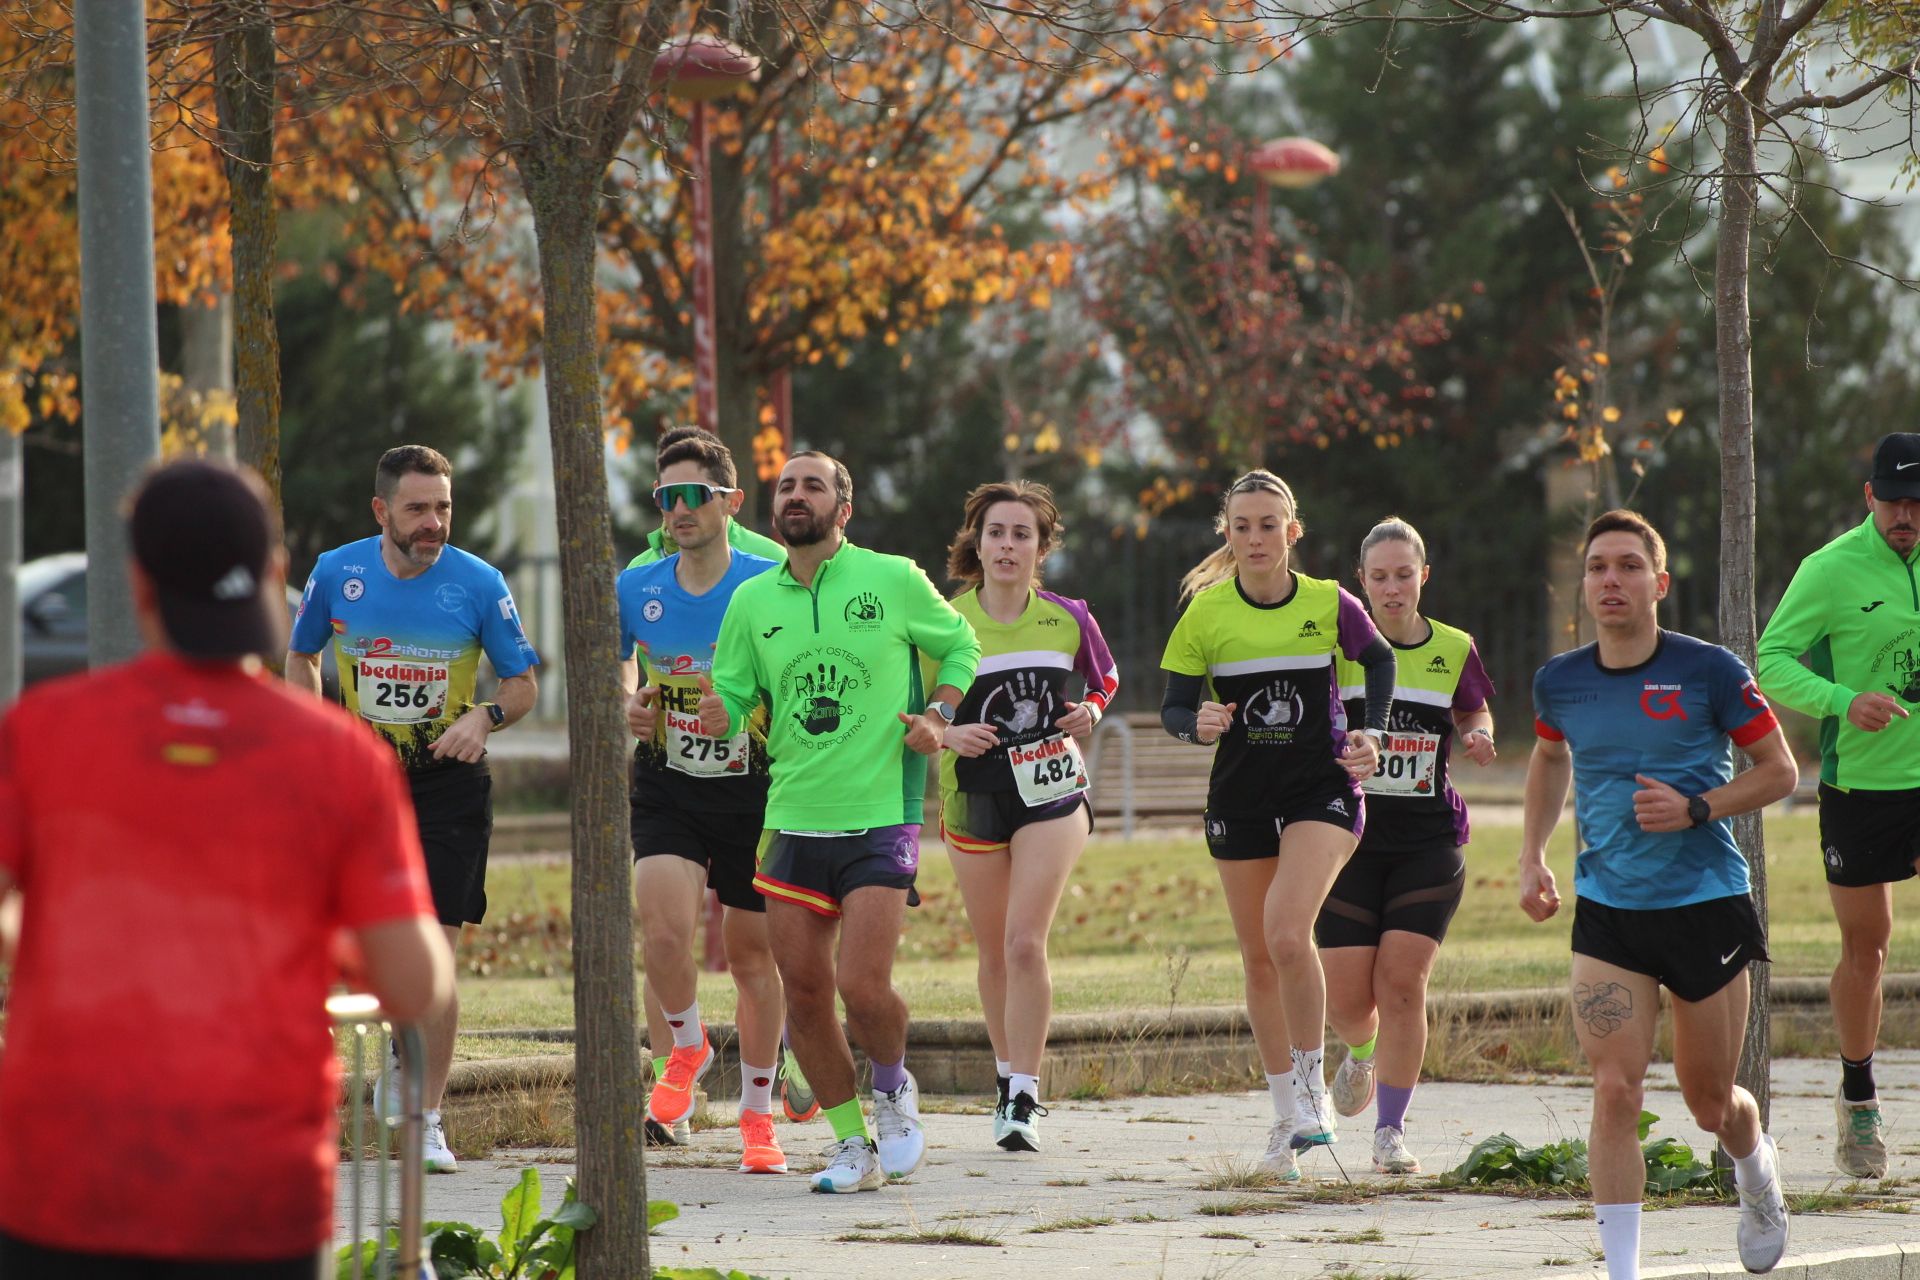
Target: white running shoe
[
  {"x": 1022, "y": 1133},
  {"x": 1859, "y": 1138},
  {"x": 1762, "y": 1234},
  {"x": 901, "y": 1142},
  {"x": 1352, "y": 1087},
  {"x": 437, "y": 1155},
  {"x": 1313, "y": 1122},
  {"x": 677, "y": 1134},
  {"x": 1279, "y": 1160},
  {"x": 1390, "y": 1154},
  {"x": 1000, "y": 1112},
  {"x": 851, "y": 1166}
]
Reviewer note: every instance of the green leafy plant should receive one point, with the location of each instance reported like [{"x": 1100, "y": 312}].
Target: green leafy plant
[
  {"x": 529, "y": 1246},
  {"x": 1671, "y": 1163}
]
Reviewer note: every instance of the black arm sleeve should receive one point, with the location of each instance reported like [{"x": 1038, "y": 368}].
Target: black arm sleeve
[
  {"x": 1377, "y": 659},
  {"x": 1180, "y": 707}
]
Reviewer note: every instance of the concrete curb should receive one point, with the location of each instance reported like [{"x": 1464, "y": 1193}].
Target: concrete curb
[
  {"x": 1139, "y": 1051},
  {"x": 1879, "y": 1262}
]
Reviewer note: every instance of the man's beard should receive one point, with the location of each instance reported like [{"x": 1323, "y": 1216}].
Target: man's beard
[
  {"x": 803, "y": 528},
  {"x": 423, "y": 553}
]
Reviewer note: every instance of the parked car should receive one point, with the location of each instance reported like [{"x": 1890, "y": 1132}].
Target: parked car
[{"x": 53, "y": 619}]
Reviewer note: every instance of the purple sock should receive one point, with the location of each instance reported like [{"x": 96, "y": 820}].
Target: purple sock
[
  {"x": 888, "y": 1076},
  {"x": 1390, "y": 1107}
]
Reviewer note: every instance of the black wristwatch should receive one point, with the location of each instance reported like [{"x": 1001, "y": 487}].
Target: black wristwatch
[
  {"x": 495, "y": 714},
  {"x": 1699, "y": 812}
]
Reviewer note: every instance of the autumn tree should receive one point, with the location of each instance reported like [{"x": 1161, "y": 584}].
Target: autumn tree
[{"x": 857, "y": 189}]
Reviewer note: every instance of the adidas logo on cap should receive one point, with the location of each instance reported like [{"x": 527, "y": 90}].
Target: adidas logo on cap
[{"x": 236, "y": 584}]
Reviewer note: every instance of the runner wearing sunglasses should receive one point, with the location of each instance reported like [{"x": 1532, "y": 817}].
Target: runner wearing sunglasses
[{"x": 697, "y": 803}]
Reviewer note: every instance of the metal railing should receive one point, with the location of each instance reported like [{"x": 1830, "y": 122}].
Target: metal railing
[
  {"x": 397, "y": 1244},
  {"x": 1115, "y": 727}
]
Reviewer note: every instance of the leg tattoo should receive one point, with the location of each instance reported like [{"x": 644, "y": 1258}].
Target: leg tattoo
[{"x": 1603, "y": 1006}]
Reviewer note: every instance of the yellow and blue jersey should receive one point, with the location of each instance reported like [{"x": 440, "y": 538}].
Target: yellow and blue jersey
[
  {"x": 408, "y": 649},
  {"x": 672, "y": 633}
]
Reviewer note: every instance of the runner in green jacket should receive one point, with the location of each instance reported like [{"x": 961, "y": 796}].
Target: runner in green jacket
[
  {"x": 1854, "y": 609},
  {"x": 831, "y": 641}
]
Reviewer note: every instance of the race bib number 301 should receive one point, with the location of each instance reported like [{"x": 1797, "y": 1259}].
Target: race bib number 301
[
  {"x": 691, "y": 751},
  {"x": 1407, "y": 763},
  {"x": 1048, "y": 770},
  {"x": 402, "y": 691}
]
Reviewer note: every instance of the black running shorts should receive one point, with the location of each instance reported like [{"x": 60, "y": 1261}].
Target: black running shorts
[
  {"x": 1376, "y": 892},
  {"x": 454, "y": 805},
  {"x": 1692, "y": 951},
  {"x": 1869, "y": 837},
  {"x": 1240, "y": 839},
  {"x": 724, "y": 843},
  {"x": 818, "y": 870}
]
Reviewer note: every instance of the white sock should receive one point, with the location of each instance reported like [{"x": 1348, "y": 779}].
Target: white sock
[
  {"x": 1002, "y": 1068},
  {"x": 1018, "y": 1084},
  {"x": 756, "y": 1088},
  {"x": 1309, "y": 1068},
  {"x": 1619, "y": 1239},
  {"x": 1280, "y": 1088},
  {"x": 686, "y": 1027},
  {"x": 1754, "y": 1170}
]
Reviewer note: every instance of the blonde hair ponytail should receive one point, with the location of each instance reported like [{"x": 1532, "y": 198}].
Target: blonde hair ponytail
[{"x": 1218, "y": 565}]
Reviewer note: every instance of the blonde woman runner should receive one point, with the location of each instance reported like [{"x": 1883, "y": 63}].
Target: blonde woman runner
[{"x": 1250, "y": 667}]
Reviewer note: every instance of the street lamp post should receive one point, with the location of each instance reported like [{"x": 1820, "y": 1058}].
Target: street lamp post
[
  {"x": 698, "y": 69},
  {"x": 1291, "y": 163}
]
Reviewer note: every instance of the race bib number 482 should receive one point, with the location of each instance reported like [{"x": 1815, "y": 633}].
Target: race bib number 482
[
  {"x": 1048, "y": 770},
  {"x": 1407, "y": 763},
  {"x": 402, "y": 691}
]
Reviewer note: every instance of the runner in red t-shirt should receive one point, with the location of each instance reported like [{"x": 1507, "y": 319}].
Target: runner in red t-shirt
[{"x": 190, "y": 836}]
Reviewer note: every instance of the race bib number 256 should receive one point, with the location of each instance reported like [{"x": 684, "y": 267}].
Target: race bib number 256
[{"x": 402, "y": 691}]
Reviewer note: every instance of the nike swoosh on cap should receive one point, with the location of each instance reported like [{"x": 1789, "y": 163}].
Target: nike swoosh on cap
[{"x": 1902, "y": 466}]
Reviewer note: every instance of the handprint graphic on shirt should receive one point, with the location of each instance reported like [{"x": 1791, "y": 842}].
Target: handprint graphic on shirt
[
  {"x": 819, "y": 693},
  {"x": 1020, "y": 705}
]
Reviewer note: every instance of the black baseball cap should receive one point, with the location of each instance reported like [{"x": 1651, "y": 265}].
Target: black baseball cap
[
  {"x": 1896, "y": 467},
  {"x": 204, "y": 532}
]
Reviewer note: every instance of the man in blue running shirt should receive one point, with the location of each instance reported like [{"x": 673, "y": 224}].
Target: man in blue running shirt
[
  {"x": 409, "y": 615},
  {"x": 1642, "y": 723}
]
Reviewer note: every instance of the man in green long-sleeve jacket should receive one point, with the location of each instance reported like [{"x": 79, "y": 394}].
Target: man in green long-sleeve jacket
[
  {"x": 1853, "y": 609},
  {"x": 831, "y": 641}
]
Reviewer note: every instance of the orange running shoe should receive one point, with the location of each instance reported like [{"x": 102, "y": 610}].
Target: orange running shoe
[
  {"x": 759, "y": 1150},
  {"x": 672, "y": 1096}
]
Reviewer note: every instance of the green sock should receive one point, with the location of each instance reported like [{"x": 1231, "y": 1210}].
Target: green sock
[
  {"x": 1361, "y": 1052},
  {"x": 659, "y": 1067},
  {"x": 847, "y": 1120}
]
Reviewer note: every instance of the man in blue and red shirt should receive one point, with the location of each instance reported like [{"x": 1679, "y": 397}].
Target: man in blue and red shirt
[{"x": 1642, "y": 724}]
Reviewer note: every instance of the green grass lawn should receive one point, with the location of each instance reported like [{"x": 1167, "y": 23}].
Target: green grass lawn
[{"x": 1142, "y": 925}]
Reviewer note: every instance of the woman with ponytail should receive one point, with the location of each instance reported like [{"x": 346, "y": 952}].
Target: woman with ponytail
[{"x": 1250, "y": 667}]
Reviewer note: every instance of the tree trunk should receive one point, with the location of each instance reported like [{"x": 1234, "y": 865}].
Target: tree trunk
[
  {"x": 608, "y": 1088},
  {"x": 1734, "y": 342},
  {"x": 244, "y": 68}
]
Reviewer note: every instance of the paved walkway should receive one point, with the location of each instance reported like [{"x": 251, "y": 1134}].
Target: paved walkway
[{"x": 1129, "y": 1188}]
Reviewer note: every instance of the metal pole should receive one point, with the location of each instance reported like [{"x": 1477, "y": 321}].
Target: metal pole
[
  {"x": 780, "y": 381},
  {"x": 706, "y": 356},
  {"x": 119, "y": 342},
  {"x": 11, "y": 488}
]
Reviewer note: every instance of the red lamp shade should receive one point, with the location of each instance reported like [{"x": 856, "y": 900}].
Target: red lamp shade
[
  {"x": 1292, "y": 162},
  {"x": 703, "y": 67}
]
